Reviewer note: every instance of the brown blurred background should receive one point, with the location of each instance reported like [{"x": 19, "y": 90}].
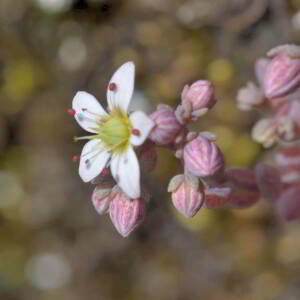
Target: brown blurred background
[{"x": 53, "y": 245}]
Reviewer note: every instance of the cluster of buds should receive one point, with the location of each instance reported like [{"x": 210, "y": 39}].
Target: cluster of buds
[
  {"x": 122, "y": 148},
  {"x": 278, "y": 95}
]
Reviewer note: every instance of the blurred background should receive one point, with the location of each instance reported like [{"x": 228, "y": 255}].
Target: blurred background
[{"x": 53, "y": 245}]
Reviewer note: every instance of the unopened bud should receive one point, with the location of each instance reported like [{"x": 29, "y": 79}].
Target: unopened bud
[
  {"x": 187, "y": 194},
  {"x": 166, "y": 125},
  {"x": 282, "y": 76},
  {"x": 202, "y": 157},
  {"x": 126, "y": 214},
  {"x": 201, "y": 94}
]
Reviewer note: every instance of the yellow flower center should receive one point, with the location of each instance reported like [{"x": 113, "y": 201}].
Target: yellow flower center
[{"x": 115, "y": 130}]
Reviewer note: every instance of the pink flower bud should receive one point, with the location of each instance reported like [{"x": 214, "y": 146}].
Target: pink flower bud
[
  {"x": 288, "y": 205},
  {"x": 101, "y": 198},
  {"x": 202, "y": 157},
  {"x": 187, "y": 194},
  {"x": 166, "y": 125},
  {"x": 217, "y": 197},
  {"x": 268, "y": 181},
  {"x": 282, "y": 76},
  {"x": 126, "y": 214},
  {"x": 201, "y": 94}
]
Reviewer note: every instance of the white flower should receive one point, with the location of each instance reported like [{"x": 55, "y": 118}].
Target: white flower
[{"x": 115, "y": 132}]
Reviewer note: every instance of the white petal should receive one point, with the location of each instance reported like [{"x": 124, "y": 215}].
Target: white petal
[
  {"x": 144, "y": 124},
  {"x": 88, "y": 110},
  {"x": 124, "y": 80},
  {"x": 92, "y": 160},
  {"x": 126, "y": 171}
]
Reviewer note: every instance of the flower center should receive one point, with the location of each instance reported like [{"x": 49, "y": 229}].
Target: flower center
[{"x": 115, "y": 130}]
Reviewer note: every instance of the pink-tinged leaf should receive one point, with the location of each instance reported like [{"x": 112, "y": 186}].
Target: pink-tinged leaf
[
  {"x": 288, "y": 156},
  {"x": 126, "y": 214},
  {"x": 288, "y": 205},
  {"x": 242, "y": 177},
  {"x": 290, "y": 174},
  {"x": 217, "y": 197},
  {"x": 243, "y": 198},
  {"x": 268, "y": 181}
]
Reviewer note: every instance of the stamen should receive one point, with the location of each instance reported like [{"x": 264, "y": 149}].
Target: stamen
[
  {"x": 71, "y": 112},
  {"x": 75, "y": 158},
  {"x": 87, "y": 137},
  {"x": 136, "y": 132},
  {"x": 112, "y": 87}
]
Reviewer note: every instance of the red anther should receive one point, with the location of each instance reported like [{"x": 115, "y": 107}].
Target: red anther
[
  {"x": 112, "y": 86},
  {"x": 71, "y": 112},
  {"x": 136, "y": 132},
  {"x": 105, "y": 172},
  {"x": 75, "y": 158}
]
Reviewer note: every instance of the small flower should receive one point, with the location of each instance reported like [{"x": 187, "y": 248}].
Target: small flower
[
  {"x": 187, "y": 194},
  {"x": 115, "y": 132},
  {"x": 202, "y": 157},
  {"x": 126, "y": 214},
  {"x": 166, "y": 126},
  {"x": 282, "y": 76}
]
